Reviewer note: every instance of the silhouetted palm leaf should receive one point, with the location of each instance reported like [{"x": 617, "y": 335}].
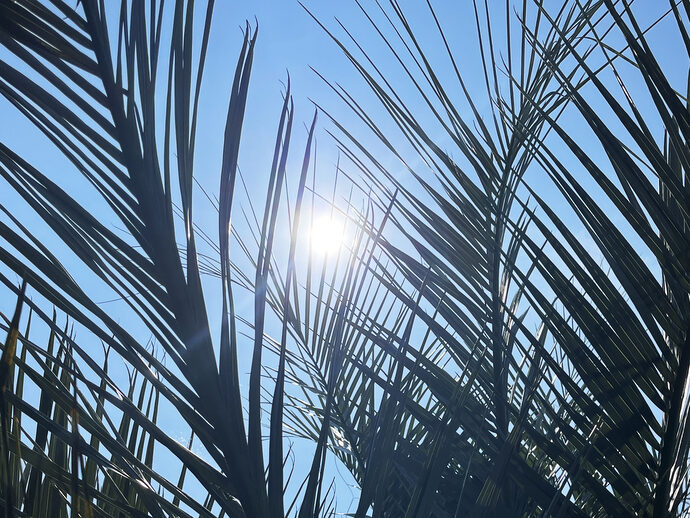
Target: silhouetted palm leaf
[
  {"x": 119, "y": 102},
  {"x": 465, "y": 352},
  {"x": 585, "y": 416}
]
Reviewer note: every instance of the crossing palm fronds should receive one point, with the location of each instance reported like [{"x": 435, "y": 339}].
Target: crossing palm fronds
[
  {"x": 117, "y": 93},
  {"x": 529, "y": 373},
  {"x": 503, "y": 332}
]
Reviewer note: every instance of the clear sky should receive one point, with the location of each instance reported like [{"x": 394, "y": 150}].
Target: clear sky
[{"x": 289, "y": 42}]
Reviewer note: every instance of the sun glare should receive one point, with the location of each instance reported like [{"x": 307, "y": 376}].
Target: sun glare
[{"x": 327, "y": 235}]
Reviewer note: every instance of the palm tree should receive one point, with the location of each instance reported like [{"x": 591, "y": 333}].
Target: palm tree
[
  {"x": 466, "y": 354},
  {"x": 119, "y": 113},
  {"x": 519, "y": 371}
]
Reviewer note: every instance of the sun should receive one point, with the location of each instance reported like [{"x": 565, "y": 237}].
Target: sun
[{"x": 327, "y": 234}]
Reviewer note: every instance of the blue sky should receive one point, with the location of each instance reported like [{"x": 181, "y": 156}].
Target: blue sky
[{"x": 289, "y": 42}]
